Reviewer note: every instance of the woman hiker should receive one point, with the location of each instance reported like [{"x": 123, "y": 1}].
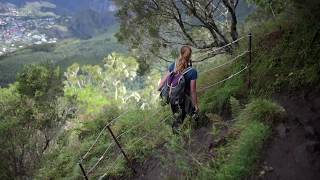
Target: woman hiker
[{"x": 181, "y": 75}]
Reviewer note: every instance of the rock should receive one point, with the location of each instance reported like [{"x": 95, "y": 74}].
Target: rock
[
  {"x": 262, "y": 173},
  {"x": 268, "y": 168},
  {"x": 310, "y": 132},
  {"x": 282, "y": 130}
]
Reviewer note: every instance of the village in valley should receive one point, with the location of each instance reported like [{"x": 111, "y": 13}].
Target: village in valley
[{"x": 19, "y": 30}]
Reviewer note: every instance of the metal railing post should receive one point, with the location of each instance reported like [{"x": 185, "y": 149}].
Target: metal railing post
[
  {"x": 122, "y": 151},
  {"x": 83, "y": 171}
]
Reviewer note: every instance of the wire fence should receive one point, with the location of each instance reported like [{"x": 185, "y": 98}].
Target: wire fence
[
  {"x": 226, "y": 79},
  {"x": 100, "y": 159},
  {"x": 103, "y": 156},
  {"x": 114, "y": 164},
  {"x": 101, "y": 132},
  {"x": 135, "y": 142},
  {"x": 226, "y": 63},
  {"x": 218, "y": 49},
  {"x": 135, "y": 127},
  {"x": 148, "y": 134}
]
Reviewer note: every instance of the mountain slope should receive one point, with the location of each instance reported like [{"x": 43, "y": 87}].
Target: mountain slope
[
  {"x": 65, "y": 53},
  {"x": 87, "y": 17}
]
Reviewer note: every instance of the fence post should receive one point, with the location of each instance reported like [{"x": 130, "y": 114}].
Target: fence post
[
  {"x": 249, "y": 83},
  {"x": 83, "y": 171},
  {"x": 122, "y": 151}
]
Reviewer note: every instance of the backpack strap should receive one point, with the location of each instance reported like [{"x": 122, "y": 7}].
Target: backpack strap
[{"x": 187, "y": 70}]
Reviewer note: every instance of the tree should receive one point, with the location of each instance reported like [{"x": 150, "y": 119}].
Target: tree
[
  {"x": 272, "y": 6},
  {"x": 117, "y": 81},
  {"x": 43, "y": 85},
  {"x": 156, "y": 25},
  {"x": 32, "y": 111},
  {"x": 40, "y": 82}
]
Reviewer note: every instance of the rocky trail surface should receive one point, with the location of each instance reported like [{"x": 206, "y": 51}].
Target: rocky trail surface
[{"x": 293, "y": 153}]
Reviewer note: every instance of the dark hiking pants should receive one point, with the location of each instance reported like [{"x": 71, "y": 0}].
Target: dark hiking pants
[{"x": 181, "y": 110}]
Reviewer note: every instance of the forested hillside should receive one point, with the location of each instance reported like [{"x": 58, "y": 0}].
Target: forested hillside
[
  {"x": 258, "y": 87},
  {"x": 64, "y": 54}
]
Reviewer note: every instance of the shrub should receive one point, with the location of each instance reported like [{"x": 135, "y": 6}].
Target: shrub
[
  {"x": 262, "y": 110},
  {"x": 217, "y": 101}
]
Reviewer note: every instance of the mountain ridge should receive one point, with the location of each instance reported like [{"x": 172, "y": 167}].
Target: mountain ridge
[
  {"x": 97, "y": 5},
  {"x": 88, "y": 17}
]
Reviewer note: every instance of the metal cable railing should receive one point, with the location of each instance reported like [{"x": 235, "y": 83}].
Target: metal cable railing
[
  {"x": 146, "y": 135},
  {"x": 134, "y": 127},
  {"x": 218, "y": 49},
  {"x": 226, "y": 63},
  {"x": 100, "y": 159},
  {"x": 219, "y": 82},
  {"x": 101, "y": 132},
  {"x": 91, "y": 170}
]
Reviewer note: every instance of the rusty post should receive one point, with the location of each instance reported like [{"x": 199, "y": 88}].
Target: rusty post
[
  {"x": 122, "y": 151},
  {"x": 83, "y": 171}
]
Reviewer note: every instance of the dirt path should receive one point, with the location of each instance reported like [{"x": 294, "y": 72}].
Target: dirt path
[
  {"x": 294, "y": 151},
  {"x": 154, "y": 167}
]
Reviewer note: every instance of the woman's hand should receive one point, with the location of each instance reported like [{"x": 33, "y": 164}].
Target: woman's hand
[
  {"x": 162, "y": 81},
  {"x": 196, "y": 108}
]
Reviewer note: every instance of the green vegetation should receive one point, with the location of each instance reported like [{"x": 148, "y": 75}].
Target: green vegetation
[
  {"x": 65, "y": 166},
  {"x": 64, "y": 54},
  {"x": 56, "y": 121},
  {"x": 102, "y": 94},
  {"x": 236, "y": 159},
  {"x": 90, "y": 98},
  {"x": 286, "y": 52},
  {"x": 245, "y": 152},
  {"x": 33, "y": 111}
]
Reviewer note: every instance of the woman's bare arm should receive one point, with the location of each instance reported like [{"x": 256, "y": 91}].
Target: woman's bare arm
[
  {"x": 193, "y": 87},
  {"x": 163, "y": 80}
]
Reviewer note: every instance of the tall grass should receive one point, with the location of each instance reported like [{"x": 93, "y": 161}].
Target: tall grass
[
  {"x": 244, "y": 152},
  {"x": 236, "y": 160}
]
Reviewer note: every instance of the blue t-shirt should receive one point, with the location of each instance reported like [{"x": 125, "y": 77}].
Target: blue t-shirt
[{"x": 190, "y": 75}]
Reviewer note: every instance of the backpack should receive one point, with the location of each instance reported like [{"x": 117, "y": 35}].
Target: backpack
[{"x": 173, "y": 91}]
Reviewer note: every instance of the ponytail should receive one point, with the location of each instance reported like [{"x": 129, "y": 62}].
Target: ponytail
[{"x": 184, "y": 59}]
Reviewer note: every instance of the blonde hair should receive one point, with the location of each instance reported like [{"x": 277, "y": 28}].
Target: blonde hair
[{"x": 184, "y": 59}]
